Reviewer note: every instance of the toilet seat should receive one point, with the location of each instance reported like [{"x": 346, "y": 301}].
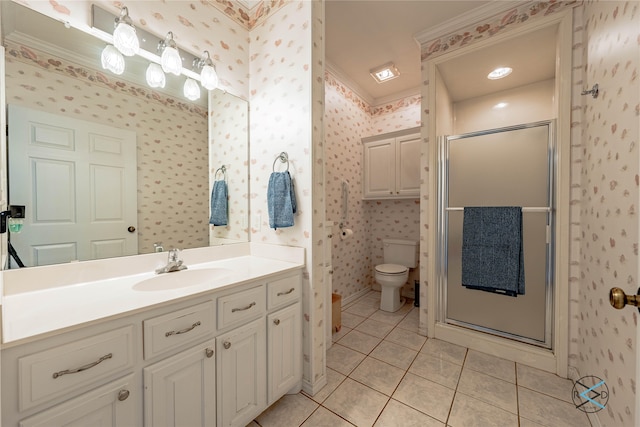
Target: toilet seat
[{"x": 391, "y": 269}]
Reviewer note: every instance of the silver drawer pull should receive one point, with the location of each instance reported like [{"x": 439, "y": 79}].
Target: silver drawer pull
[
  {"x": 82, "y": 368},
  {"x": 182, "y": 331},
  {"x": 233, "y": 310},
  {"x": 286, "y": 293}
]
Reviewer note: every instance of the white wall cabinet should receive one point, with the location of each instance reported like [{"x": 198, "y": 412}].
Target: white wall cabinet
[
  {"x": 242, "y": 364},
  {"x": 181, "y": 390},
  {"x": 391, "y": 165},
  {"x": 200, "y": 361}
]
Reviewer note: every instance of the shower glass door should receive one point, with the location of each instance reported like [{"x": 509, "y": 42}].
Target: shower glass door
[{"x": 511, "y": 166}]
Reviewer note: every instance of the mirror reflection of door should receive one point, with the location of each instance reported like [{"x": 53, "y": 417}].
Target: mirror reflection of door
[{"x": 78, "y": 182}]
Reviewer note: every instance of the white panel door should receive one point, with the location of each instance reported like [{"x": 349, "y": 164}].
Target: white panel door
[
  {"x": 180, "y": 390},
  {"x": 408, "y": 165},
  {"x": 379, "y": 167},
  {"x": 241, "y": 385},
  {"x": 284, "y": 351},
  {"x": 78, "y": 182}
]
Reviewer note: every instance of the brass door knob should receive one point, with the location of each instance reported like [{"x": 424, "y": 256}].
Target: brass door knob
[{"x": 618, "y": 299}]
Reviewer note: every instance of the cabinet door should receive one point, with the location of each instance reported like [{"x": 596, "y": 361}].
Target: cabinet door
[
  {"x": 284, "y": 351},
  {"x": 242, "y": 374},
  {"x": 180, "y": 390},
  {"x": 379, "y": 164},
  {"x": 408, "y": 165},
  {"x": 114, "y": 404}
]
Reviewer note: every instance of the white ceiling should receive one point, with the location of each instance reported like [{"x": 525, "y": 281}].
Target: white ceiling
[{"x": 362, "y": 34}]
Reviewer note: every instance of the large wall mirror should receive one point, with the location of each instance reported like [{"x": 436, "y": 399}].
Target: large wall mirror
[{"x": 105, "y": 165}]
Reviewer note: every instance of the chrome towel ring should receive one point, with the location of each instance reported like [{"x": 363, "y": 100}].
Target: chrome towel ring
[{"x": 284, "y": 158}]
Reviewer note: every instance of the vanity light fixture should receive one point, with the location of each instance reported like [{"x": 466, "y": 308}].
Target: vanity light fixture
[
  {"x": 191, "y": 89},
  {"x": 208, "y": 75},
  {"x": 170, "y": 58},
  {"x": 124, "y": 34},
  {"x": 112, "y": 60},
  {"x": 385, "y": 72},
  {"x": 155, "y": 76},
  {"x": 499, "y": 73}
]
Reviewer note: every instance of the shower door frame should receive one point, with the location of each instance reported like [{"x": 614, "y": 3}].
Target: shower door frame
[{"x": 442, "y": 227}]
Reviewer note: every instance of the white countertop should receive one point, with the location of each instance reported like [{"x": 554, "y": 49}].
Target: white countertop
[{"x": 46, "y": 309}]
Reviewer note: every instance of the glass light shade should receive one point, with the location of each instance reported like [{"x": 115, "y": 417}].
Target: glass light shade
[
  {"x": 155, "y": 76},
  {"x": 191, "y": 90},
  {"x": 112, "y": 60},
  {"x": 209, "y": 77},
  {"x": 125, "y": 39},
  {"x": 171, "y": 61}
]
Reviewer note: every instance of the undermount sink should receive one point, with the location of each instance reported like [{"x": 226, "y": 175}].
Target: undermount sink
[{"x": 181, "y": 279}]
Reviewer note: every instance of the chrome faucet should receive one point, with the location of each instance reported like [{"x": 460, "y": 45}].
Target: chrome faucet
[{"x": 173, "y": 264}]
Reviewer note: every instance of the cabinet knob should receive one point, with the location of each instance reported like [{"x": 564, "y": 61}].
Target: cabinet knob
[
  {"x": 123, "y": 395},
  {"x": 209, "y": 352},
  {"x": 276, "y": 322},
  {"x": 227, "y": 345}
]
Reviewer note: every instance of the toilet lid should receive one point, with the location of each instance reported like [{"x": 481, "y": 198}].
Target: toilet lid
[{"x": 391, "y": 268}]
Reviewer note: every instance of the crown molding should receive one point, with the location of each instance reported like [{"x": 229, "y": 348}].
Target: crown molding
[
  {"x": 378, "y": 102},
  {"x": 466, "y": 19},
  {"x": 342, "y": 76}
]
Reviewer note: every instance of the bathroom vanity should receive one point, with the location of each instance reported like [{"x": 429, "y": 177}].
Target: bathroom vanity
[{"x": 215, "y": 344}]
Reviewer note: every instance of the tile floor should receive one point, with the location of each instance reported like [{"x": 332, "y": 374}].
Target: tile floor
[{"x": 382, "y": 373}]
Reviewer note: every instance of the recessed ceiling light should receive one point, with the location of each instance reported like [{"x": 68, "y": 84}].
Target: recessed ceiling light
[
  {"x": 385, "y": 72},
  {"x": 500, "y": 105},
  {"x": 499, "y": 73}
]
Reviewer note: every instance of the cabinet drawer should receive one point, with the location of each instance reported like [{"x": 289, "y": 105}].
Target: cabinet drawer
[
  {"x": 177, "y": 328},
  {"x": 57, "y": 371},
  {"x": 283, "y": 291},
  {"x": 240, "y": 307}
]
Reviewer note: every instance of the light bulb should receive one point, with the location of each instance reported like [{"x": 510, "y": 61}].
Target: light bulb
[
  {"x": 170, "y": 58},
  {"x": 155, "y": 76},
  {"x": 124, "y": 35},
  {"x": 209, "y": 77},
  {"x": 191, "y": 90},
  {"x": 112, "y": 60}
]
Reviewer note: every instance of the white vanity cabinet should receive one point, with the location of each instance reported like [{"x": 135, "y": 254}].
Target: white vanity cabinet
[
  {"x": 391, "y": 165},
  {"x": 218, "y": 358}
]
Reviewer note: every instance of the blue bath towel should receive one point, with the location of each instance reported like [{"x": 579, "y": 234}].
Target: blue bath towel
[
  {"x": 492, "y": 255},
  {"x": 219, "y": 204},
  {"x": 281, "y": 200}
]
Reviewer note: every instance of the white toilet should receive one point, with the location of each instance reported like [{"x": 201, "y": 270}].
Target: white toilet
[{"x": 399, "y": 257}]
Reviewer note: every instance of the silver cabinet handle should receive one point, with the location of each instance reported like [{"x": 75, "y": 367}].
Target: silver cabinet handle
[
  {"x": 227, "y": 345},
  {"x": 209, "y": 353},
  {"x": 286, "y": 293},
  {"x": 82, "y": 368},
  {"x": 233, "y": 310},
  {"x": 183, "y": 331},
  {"x": 276, "y": 321},
  {"x": 123, "y": 395}
]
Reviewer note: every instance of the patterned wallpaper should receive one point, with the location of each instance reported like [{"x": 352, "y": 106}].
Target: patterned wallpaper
[
  {"x": 282, "y": 120},
  {"x": 606, "y": 338},
  {"x": 171, "y": 137},
  {"x": 348, "y": 119}
]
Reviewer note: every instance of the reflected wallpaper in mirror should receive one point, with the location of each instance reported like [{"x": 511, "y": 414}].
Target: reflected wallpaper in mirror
[{"x": 174, "y": 166}]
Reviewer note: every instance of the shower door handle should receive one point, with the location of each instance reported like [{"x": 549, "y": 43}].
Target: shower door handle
[{"x": 618, "y": 299}]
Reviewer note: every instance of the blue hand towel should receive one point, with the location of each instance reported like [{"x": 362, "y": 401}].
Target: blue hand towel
[
  {"x": 281, "y": 200},
  {"x": 219, "y": 204},
  {"x": 492, "y": 254}
]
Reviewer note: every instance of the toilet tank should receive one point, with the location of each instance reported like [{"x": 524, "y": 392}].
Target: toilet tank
[{"x": 402, "y": 252}]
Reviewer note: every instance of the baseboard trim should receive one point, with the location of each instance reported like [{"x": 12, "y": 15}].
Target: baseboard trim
[
  {"x": 312, "y": 389},
  {"x": 355, "y": 296}
]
